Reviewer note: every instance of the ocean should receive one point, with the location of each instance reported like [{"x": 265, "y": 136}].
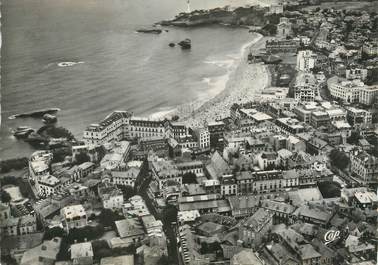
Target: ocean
[{"x": 118, "y": 69}]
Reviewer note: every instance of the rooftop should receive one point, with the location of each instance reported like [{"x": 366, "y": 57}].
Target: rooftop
[
  {"x": 210, "y": 227},
  {"x": 366, "y": 197},
  {"x": 81, "y": 250},
  {"x": 113, "y": 117},
  {"x": 258, "y": 220},
  {"x": 129, "y": 228},
  {"x": 72, "y": 211},
  {"x": 307, "y": 251},
  {"x": 47, "y": 250},
  {"x": 119, "y": 260},
  {"x": 49, "y": 180},
  {"x": 314, "y": 213},
  {"x": 246, "y": 257}
]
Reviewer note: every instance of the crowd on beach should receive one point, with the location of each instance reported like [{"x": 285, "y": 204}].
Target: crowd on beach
[{"x": 242, "y": 86}]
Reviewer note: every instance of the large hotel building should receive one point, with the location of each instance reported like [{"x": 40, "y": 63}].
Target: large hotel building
[
  {"x": 123, "y": 125},
  {"x": 354, "y": 91}
]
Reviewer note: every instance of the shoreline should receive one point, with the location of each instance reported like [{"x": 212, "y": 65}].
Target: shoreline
[{"x": 244, "y": 81}]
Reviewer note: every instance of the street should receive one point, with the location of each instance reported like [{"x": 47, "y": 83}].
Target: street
[{"x": 169, "y": 231}]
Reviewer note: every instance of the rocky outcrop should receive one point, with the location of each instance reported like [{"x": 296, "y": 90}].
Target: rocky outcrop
[
  {"x": 185, "y": 44},
  {"x": 242, "y": 16},
  {"x": 154, "y": 31},
  {"x": 35, "y": 114}
]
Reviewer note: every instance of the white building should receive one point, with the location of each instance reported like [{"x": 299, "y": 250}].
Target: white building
[
  {"x": 114, "y": 127},
  {"x": 368, "y": 95},
  {"x": 203, "y": 136},
  {"x": 358, "y": 117},
  {"x": 267, "y": 160},
  {"x": 273, "y": 94},
  {"x": 276, "y": 8},
  {"x": 364, "y": 166},
  {"x": 111, "y": 197},
  {"x": 144, "y": 128},
  {"x": 354, "y": 91},
  {"x": 135, "y": 207},
  {"x": 305, "y": 87},
  {"x": 284, "y": 28},
  {"x": 48, "y": 185},
  {"x": 39, "y": 164},
  {"x": 336, "y": 114},
  {"x": 306, "y": 60},
  {"x": 370, "y": 49},
  {"x": 74, "y": 216},
  {"x": 228, "y": 185},
  {"x": 125, "y": 177},
  {"x": 121, "y": 125},
  {"x": 356, "y": 73}
]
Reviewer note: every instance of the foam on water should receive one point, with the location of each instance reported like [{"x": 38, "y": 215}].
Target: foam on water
[
  {"x": 68, "y": 64},
  {"x": 162, "y": 113},
  {"x": 218, "y": 83}
]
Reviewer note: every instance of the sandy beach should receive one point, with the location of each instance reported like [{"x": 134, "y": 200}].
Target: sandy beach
[{"x": 242, "y": 85}]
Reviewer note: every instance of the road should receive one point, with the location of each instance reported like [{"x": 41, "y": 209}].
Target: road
[{"x": 168, "y": 229}]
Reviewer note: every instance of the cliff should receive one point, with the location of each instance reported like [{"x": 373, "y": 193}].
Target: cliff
[{"x": 241, "y": 16}]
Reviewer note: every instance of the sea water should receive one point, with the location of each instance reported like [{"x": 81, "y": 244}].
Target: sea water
[{"x": 85, "y": 57}]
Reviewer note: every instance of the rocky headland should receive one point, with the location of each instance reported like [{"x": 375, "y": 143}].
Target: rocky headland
[{"x": 241, "y": 16}]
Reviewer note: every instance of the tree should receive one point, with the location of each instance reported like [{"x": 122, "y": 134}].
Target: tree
[
  {"x": 64, "y": 253},
  {"x": 339, "y": 159},
  {"x": 175, "y": 118},
  {"x": 329, "y": 189},
  {"x": 169, "y": 214},
  {"x": 5, "y": 197},
  {"x": 7, "y": 259},
  {"x": 50, "y": 233},
  {"x": 127, "y": 190},
  {"x": 163, "y": 260},
  {"x": 14, "y": 163},
  {"x": 101, "y": 249},
  {"x": 189, "y": 178},
  {"x": 85, "y": 233},
  {"x": 354, "y": 137},
  {"x": 107, "y": 218},
  {"x": 358, "y": 215},
  {"x": 212, "y": 247},
  {"x": 236, "y": 168},
  {"x": 60, "y": 154},
  {"x": 81, "y": 158},
  {"x": 129, "y": 250},
  {"x": 56, "y": 132}
]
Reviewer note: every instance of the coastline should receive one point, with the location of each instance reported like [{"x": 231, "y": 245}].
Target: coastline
[{"x": 243, "y": 83}]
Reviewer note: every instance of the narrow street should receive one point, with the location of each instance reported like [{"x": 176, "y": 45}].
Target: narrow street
[{"x": 169, "y": 231}]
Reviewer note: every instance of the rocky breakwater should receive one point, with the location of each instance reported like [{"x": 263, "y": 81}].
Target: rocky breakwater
[
  {"x": 153, "y": 31},
  {"x": 35, "y": 114},
  {"x": 241, "y": 16}
]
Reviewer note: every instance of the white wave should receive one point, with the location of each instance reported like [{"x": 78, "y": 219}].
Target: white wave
[
  {"x": 162, "y": 113},
  {"x": 235, "y": 57},
  {"x": 207, "y": 80},
  {"x": 68, "y": 64},
  {"x": 222, "y": 63},
  {"x": 216, "y": 85}
]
